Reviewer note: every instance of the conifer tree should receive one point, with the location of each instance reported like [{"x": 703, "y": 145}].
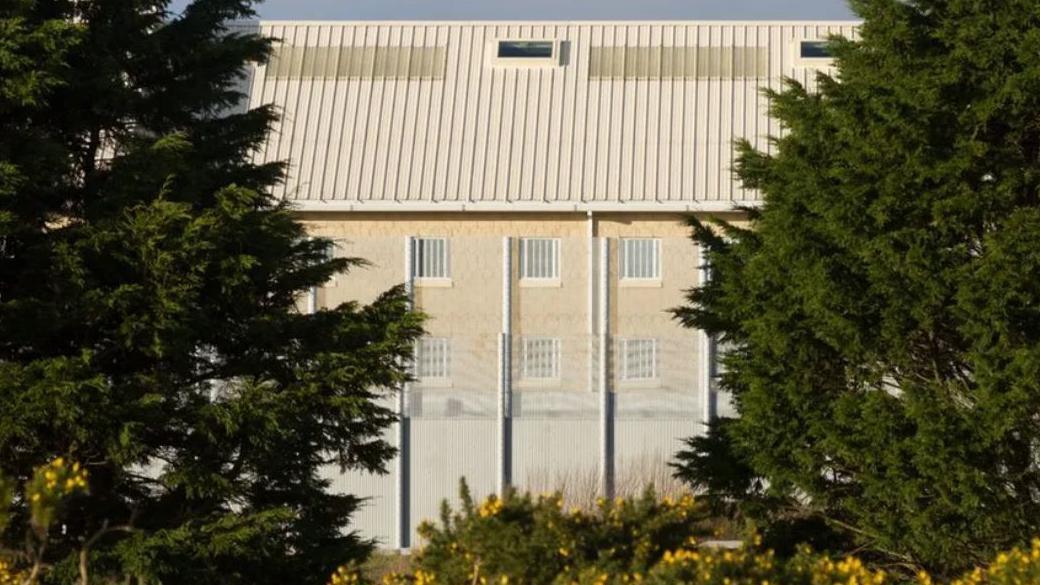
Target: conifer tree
[
  {"x": 884, "y": 304},
  {"x": 148, "y": 307}
]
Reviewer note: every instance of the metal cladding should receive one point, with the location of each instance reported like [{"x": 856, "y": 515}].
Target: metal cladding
[{"x": 623, "y": 115}]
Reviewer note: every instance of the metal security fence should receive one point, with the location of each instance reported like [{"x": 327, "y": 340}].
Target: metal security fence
[{"x": 581, "y": 383}]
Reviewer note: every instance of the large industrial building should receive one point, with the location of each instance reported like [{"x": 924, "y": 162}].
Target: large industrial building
[{"x": 529, "y": 183}]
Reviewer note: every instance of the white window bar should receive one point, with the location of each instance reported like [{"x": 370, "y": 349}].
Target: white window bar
[
  {"x": 540, "y": 258},
  {"x": 540, "y": 358},
  {"x": 432, "y": 258},
  {"x": 638, "y": 359},
  {"x": 640, "y": 258},
  {"x": 433, "y": 358}
]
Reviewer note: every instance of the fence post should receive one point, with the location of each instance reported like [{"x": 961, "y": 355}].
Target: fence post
[
  {"x": 593, "y": 282},
  {"x": 402, "y": 463},
  {"x": 605, "y": 394},
  {"x": 505, "y": 371},
  {"x": 707, "y": 349}
]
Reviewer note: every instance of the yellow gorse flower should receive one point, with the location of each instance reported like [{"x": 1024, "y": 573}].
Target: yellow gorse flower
[
  {"x": 345, "y": 576},
  {"x": 58, "y": 479},
  {"x": 10, "y": 576},
  {"x": 1015, "y": 567},
  {"x": 491, "y": 507},
  {"x": 850, "y": 571},
  {"x": 51, "y": 484}
]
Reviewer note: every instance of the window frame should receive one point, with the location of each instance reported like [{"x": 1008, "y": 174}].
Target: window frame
[
  {"x": 800, "y": 60},
  {"x": 419, "y": 266},
  {"x": 524, "y": 254},
  {"x": 555, "y": 351},
  {"x": 623, "y": 256},
  {"x": 655, "y": 367},
  {"x": 497, "y": 60},
  {"x": 442, "y": 376},
  {"x": 551, "y": 45}
]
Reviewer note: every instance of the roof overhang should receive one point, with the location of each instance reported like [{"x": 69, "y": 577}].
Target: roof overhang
[
  {"x": 562, "y": 22},
  {"x": 524, "y": 207}
]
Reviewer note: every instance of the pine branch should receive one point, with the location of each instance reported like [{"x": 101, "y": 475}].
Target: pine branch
[{"x": 84, "y": 552}]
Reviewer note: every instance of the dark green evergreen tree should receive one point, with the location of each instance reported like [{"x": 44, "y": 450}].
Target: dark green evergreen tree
[
  {"x": 884, "y": 304},
  {"x": 148, "y": 307}
]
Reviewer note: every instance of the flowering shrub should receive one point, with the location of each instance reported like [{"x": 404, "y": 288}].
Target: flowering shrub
[
  {"x": 747, "y": 566},
  {"x": 50, "y": 487},
  {"x": 711, "y": 566},
  {"x": 528, "y": 539},
  {"x": 345, "y": 576},
  {"x": 1017, "y": 567},
  {"x": 520, "y": 539},
  {"x": 10, "y": 576}
]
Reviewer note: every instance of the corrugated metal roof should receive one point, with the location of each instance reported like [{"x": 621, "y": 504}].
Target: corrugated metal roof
[{"x": 422, "y": 115}]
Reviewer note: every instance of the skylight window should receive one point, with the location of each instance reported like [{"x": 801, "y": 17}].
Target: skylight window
[
  {"x": 815, "y": 50},
  {"x": 525, "y": 49}
]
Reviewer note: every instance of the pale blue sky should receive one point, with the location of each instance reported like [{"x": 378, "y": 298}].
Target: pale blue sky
[{"x": 551, "y": 9}]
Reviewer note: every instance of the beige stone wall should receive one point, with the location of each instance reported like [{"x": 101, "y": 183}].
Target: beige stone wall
[{"x": 468, "y": 309}]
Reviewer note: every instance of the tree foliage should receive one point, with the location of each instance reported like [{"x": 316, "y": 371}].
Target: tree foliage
[
  {"x": 148, "y": 306},
  {"x": 884, "y": 304}
]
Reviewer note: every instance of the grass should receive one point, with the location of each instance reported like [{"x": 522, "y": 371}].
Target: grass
[
  {"x": 385, "y": 562},
  {"x": 581, "y": 487}
]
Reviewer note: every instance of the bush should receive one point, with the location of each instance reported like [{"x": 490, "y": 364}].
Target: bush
[
  {"x": 46, "y": 494},
  {"x": 1017, "y": 567},
  {"x": 521, "y": 539},
  {"x": 526, "y": 539},
  {"x": 746, "y": 566}
]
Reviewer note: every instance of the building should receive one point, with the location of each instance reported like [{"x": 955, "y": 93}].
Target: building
[{"x": 528, "y": 182}]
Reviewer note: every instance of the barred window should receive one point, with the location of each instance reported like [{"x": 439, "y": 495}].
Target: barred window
[
  {"x": 433, "y": 358},
  {"x": 540, "y": 258},
  {"x": 640, "y": 258},
  {"x": 638, "y": 359},
  {"x": 432, "y": 258},
  {"x": 540, "y": 358}
]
